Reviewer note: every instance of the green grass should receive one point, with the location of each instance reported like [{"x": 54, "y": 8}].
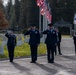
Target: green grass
[
  {"x": 66, "y": 36},
  {"x": 24, "y": 50}
]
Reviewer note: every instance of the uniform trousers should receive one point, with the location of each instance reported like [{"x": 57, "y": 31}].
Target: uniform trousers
[
  {"x": 11, "y": 52},
  {"x": 33, "y": 49},
  {"x": 50, "y": 53}
]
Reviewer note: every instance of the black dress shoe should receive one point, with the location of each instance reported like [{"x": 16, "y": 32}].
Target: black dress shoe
[
  {"x": 55, "y": 54},
  {"x": 50, "y": 61},
  {"x": 33, "y": 62},
  {"x": 11, "y": 61},
  {"x": 60, "y": 53}
]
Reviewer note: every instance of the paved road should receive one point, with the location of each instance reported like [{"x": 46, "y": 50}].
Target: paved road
[{"x": 64, "y": 64}]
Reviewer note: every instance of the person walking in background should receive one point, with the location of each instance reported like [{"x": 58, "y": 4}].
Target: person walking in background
[
  {"x": 74, "y": 38},
  {"x": 34, "y": 41},
  {"x": 11, "y": 43},
  {"x": 50, "y": 42},
  {"x": 58, "y": 42}
]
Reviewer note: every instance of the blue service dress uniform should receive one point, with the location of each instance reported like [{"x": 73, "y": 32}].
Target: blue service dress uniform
[
  {"x": 50, "y": 42},
  {"x": 11, "y": 43},
  {"x": 34, "y": 41}
]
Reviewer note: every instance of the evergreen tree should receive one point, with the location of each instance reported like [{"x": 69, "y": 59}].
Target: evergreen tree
[
  {"x": 8, "y": 10},
  {"x": 13, "y": 19},
  {"x": 3, "y": 21},
  {"x": 63, "y": 9},
  {"x": 17, "y": 12},
  {"x": 29, "y": 13},
  {"x": 10, "y": 14},
  {"x": 22, "y": 20},
  {"x": 25, "y": 12},
  {"x": 32, "y": 16}
]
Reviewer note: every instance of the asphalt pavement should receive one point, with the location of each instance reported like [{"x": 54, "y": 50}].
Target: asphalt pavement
[{"x": 64, "y": 64}]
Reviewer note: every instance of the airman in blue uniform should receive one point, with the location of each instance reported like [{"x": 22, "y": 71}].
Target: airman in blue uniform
[
  {"x": 11, "y": 43},
  {"x": 50, "y": 42},
  {"x": 34, "y": 41}
]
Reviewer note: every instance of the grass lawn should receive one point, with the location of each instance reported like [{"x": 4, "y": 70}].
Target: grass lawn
[
  {"x": 66, "y": 36},
  {"x": 24, "y": 50}
]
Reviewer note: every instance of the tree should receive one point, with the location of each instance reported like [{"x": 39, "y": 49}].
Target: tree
[
  {"x": 3, "y": 21},
  {"x": 8, "y": 10},
  {"x": 63, "y": 9},
  {"x": 29, "y": 13},
  {"x": 17, "y": 12},
  {"x": 13, "y": 19},
  {"x": 22, "y": 20},
  {"x": 10, "y": 14}
]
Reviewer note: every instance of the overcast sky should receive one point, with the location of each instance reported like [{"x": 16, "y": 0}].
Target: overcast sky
[{"x": 5, "y": 1}]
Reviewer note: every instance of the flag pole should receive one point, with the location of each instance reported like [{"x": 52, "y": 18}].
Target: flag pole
[
  {"x": 74, "y": 22},
  {"x": 39, "y": 21}
]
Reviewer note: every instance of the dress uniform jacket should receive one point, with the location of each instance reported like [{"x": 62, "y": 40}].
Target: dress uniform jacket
[
  {"x": 51, "y": 38},
  {"x": 11, "y": 39},
  {"x": 34, "y": 37}
]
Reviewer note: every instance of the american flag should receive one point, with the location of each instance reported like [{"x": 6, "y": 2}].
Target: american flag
[
  {"x": 39, "y": 2},
  {"x": 44, "y": 9},
  {"x": 48, "y": 16}
]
